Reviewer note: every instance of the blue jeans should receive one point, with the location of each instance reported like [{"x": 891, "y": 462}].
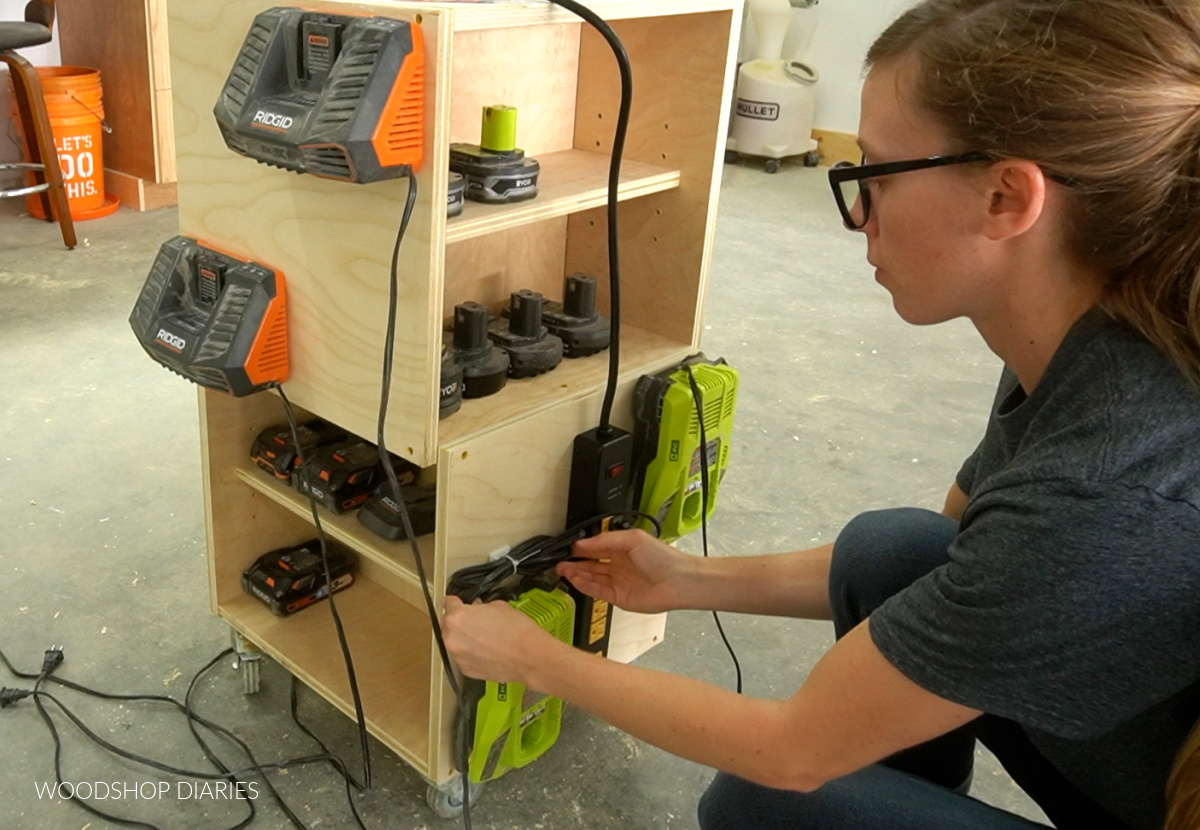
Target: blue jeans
[{"x": 877, "y": 555}]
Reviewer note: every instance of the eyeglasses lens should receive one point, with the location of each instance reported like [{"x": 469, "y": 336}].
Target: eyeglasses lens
[{"x": 853, "y": 199}]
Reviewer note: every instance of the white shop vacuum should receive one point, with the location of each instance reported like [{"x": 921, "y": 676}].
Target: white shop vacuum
[{"x": 776, "y": 96}]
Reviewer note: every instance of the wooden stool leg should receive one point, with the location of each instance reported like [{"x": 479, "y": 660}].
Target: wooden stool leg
[
  {"x": 29, "y": 131},
  {"x": 36, "y": 122}
]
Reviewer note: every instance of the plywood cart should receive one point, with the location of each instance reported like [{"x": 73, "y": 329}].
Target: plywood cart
[{"x": 502, "y": 462}]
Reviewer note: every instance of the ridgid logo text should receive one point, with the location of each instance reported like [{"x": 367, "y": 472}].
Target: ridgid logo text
[
  {"x": 145, "y": 790},
  {"x": 273, "y": 119}
]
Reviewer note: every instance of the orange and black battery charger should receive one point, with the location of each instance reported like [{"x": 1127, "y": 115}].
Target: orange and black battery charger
[
  {"x": 217, "y": 320},
  {"x": 336, "y": 96}
]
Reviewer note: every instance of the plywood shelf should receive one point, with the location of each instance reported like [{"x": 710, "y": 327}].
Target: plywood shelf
[
  {"x": 388, "y": 563},
  {"x": 389, "y": 641},
  {"x": 640, "y": 350},
  {"x": 570, "y": 181}
]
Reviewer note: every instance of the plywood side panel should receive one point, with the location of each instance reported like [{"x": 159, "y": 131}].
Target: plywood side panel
[
  {"x": 532, "y": 68},
  {"x": 680, "y": 105},
  {"x": 164, "y": 136},
  {"x": 634, "y": 634},
  {"x": 114, "y": 37},
  {"x": 332, "y": 240}
]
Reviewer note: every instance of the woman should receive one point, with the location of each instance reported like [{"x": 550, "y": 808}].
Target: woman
[{"x": 1033, "y": 166}]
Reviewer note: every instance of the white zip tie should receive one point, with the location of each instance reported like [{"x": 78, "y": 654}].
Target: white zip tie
[{"x": 504, "y": 553}]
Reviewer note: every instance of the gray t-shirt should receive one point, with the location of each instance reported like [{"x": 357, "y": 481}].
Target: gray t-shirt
[{"x": 1071, "y": 600}]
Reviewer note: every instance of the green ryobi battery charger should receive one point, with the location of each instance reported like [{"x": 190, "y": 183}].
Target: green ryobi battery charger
[
  {"x": 511, "y": 725},
  {"x": 667, "y": 457}
]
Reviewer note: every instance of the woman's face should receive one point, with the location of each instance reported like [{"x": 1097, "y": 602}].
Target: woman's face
[{"x": 924, "y": 233}]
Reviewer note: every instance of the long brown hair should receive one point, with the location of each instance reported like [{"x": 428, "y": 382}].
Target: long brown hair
[
  {"x": 1183, "y": 787},
  {"x": 1103, "y": 93}
]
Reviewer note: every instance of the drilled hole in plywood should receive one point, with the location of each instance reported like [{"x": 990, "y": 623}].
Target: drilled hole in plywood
[
  {"x": 666, "y": 126},
  {"x": 464, "y": 455},
  {"x": 420, "y": 20},
  {"x": 411, "y": 452},
  {"x": 664, "y": 155},
  {"x": 656, "y": 239},
  {"x": 597, "y": 143},
  {"x": 562, "y": 386},
  {"x": 600, "y": 115},
  {"x": 592, "y": 223},
  {"x": 658, "y": 213}
]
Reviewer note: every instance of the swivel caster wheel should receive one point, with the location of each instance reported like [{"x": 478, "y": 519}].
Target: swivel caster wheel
[
  {"x": 248, "y": 659},
  {"x": 446, "y": 800},
  {"x": 731, "y": 157},
  {"x": 772, "y": 166},
  {"x": 812, "y": 158}
]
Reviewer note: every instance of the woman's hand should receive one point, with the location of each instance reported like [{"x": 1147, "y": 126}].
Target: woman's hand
[
  {"x": 493, "y": 641},
  {"x": 630, "y": 569}
]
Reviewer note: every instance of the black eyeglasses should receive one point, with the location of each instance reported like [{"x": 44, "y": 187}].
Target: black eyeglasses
[{"x": 849, "y": 181}]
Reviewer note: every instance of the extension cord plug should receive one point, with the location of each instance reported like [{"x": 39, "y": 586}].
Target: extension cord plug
[
  {"x": 9, "y": 697},
  {"x": 51, "y": 660}
]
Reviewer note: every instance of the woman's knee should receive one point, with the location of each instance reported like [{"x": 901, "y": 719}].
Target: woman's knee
[
  {"x": 732, "y": 803},
  {"x": 880, "y": 553}
]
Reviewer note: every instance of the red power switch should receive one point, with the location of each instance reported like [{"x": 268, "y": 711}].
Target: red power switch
[{"x": 614, "y": 471}]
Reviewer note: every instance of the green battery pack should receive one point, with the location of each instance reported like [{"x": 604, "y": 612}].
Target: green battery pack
[
  {"x": 667, "y": 447},
  {"x": 511, "y": 725}
]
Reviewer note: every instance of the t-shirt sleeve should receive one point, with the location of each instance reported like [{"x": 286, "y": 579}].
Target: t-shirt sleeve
[
  {"x": 966, "y": 473},
  {"x": 1032, "y": 619}
]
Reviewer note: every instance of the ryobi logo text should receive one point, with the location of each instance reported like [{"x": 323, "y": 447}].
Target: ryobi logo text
[
  {"x": 272, "y": 120},
  {"x": 171, "y": 341}
]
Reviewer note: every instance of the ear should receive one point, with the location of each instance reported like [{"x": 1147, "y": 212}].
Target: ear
[{"x": 1016, "y": 190}]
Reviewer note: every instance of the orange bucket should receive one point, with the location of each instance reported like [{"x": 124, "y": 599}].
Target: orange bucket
[{"x": 73, "y": 102}]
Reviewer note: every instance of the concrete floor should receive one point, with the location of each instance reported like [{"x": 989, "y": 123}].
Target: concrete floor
[{"x": 842, "y": 407}]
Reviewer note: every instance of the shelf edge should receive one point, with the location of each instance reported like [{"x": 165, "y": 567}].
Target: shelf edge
[{"x": 533, "y": 211}]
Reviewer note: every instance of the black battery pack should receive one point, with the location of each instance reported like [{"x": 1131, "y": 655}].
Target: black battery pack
[
  {"x": 381, "y": 514},
  {"x": 288, "y": 579},
  {"x": 341, "y": 476},
  {"x": 275, "y": 452}
]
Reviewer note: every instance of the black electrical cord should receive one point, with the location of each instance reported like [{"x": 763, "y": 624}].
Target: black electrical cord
[
  {"x": 364, "y": 743},
  {"x": 389, "y": 342},
  {"x": 37, "y": 694},
  {"x": 193, "y": 717},
  {"x": 614, "y": 179},
  {"x": 698, "y": 398},
  {"x": 533, "y": 557}
]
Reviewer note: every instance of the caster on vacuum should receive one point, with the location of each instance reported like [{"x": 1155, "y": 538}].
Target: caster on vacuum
[
  {"x": 731, "y": 157},
  {"x": 812, "y": 158},
  {"x": 772, "y": 166}
]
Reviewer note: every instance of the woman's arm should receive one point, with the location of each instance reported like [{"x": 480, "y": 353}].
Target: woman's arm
[{"x": 855, "y": 708}]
